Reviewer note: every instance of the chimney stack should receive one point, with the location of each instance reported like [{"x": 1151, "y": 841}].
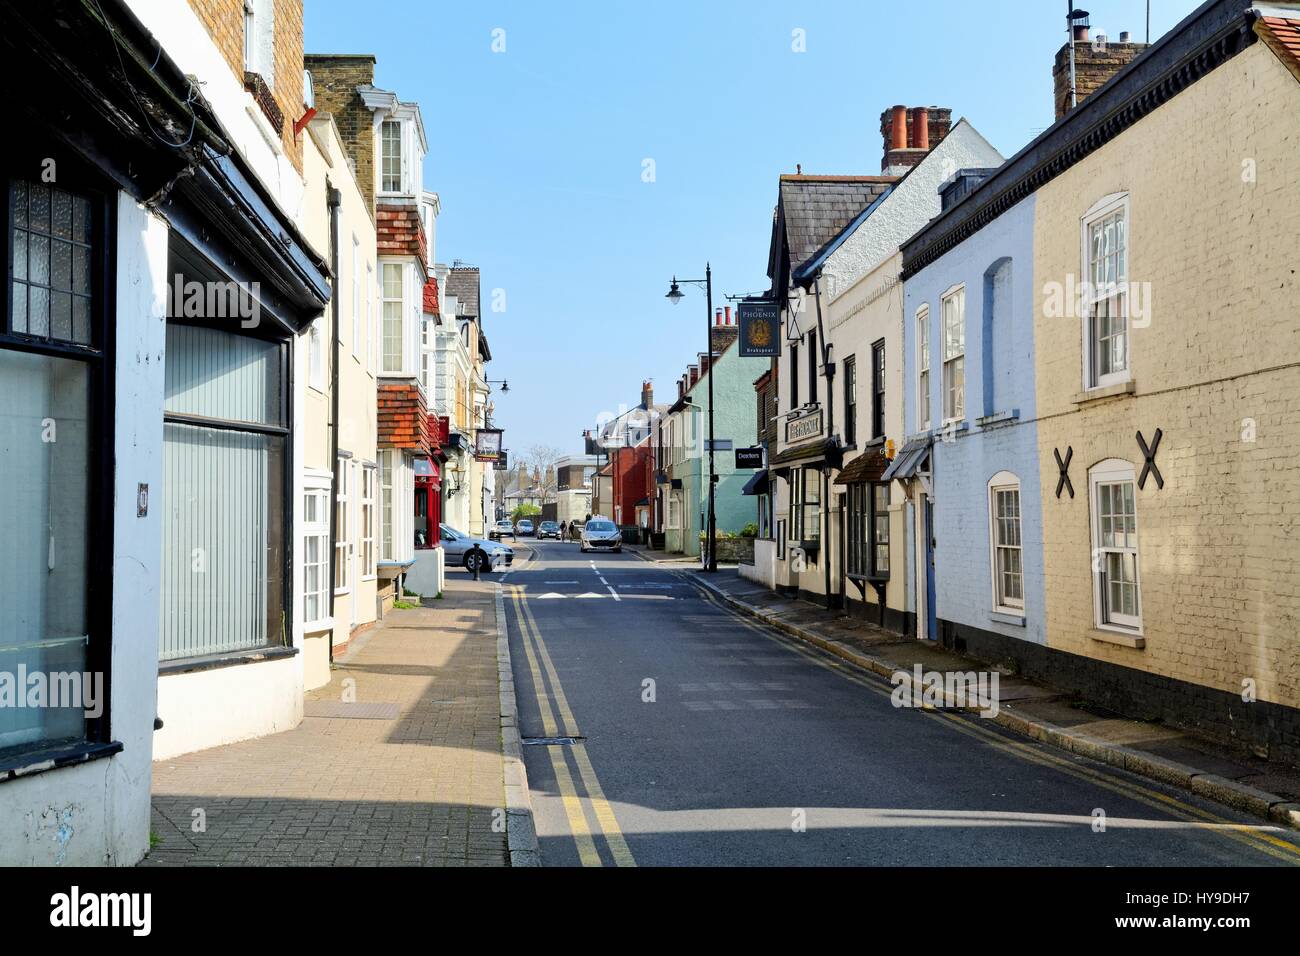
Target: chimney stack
[
  {"x": 910, "y": 134},
  {"x": 1095, "y": 62},
  {"x": 648, "y": 394}
]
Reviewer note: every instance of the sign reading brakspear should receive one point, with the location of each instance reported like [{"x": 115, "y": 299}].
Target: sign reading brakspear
[{"x": 760, "y": 322}]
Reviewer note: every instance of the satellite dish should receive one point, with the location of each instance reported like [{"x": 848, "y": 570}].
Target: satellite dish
[{"x": 308, "y": 90}]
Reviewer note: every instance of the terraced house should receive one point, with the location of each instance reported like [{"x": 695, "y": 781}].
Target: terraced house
[
  {"x": 841, "y": 526},
  {"x": 1128, "y": 526}
]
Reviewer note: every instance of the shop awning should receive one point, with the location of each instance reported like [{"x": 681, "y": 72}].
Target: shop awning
[
  {"x": 428, "y": 468},
  {"x": 756, "y": 485},
  {"x": 870, "y": 466},
  {"x": 909, "y": 460}
]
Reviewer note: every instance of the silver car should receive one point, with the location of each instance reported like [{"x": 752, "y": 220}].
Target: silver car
[
  {"x": 458, "y": 548},
  {"x": 599, "y": 534}
]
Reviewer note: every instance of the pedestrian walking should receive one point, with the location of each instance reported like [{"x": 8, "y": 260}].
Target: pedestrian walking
[{"x": 564, "y": 529}]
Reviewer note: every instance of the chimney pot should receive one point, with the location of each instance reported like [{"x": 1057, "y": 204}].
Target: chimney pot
[
  {"x": 1081, "y": 33},
  {"x": 1125, "y": 36},
  {"x": 898, "y": 128},
  {"x": 717, "y": 317},
  {"x": 728, "y": 310},
  {"x": 921, "y": 128}
]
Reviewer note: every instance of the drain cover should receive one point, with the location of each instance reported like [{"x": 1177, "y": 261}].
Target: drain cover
[
  {"x": 350, "y": 709},
  {"x": 550, "y": 741}
]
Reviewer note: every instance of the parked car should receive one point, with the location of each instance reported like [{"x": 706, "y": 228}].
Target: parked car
[
  {"x": 458, "y": 548},
  {"x": 502, "y": 528},
  {"x": 524, "y": 527},
  {"x": 600, "y": 534},
  {"x": 549, "y": 529}
]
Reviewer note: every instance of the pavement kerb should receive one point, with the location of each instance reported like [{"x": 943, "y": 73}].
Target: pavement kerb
[
  {"x": 521, "y": 830},
  {"x": 1240, "y": 796}
]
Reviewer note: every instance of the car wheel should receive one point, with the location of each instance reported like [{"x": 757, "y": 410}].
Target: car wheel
[
  {"x": 618, "y": 550},
  {"x": 471, "y": 561}
]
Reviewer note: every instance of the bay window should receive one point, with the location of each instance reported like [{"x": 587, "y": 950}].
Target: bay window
[
  {"x": 391, "y": 159},
  {"x": 868, "y": 530},
  {"x": 805, "y": 504},
  {"x": 394, "y": 314}
]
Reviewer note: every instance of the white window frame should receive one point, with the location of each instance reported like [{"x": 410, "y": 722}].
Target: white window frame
[
  {"x": 951, "y": 356},
  {"x": 400, "y": 302},
  {"x": 1092, "y": 293},
  {"x": 674, "y": 513},
  {"x": 387, "y": 518},
  {"x": 369, "y": 515},
  {"x": 924, "y": 412},
  {"x": 343, "y": 527},
  {"x": 316, "y": 488},
  {"x": 1113, "y": 472},
  {"x": 1004, "y": 482},
  {"x": 400, "y": 125}
]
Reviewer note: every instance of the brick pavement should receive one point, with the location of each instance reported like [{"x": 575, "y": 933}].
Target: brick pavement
[{"x": 419, "y": 790}]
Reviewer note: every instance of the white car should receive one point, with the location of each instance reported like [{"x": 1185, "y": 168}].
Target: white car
[
  {"x": 502, "y": 528},
  {"x": 600, "y": 534}
]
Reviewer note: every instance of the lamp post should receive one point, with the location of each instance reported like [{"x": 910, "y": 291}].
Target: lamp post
[{"x": 675, "y": 296}]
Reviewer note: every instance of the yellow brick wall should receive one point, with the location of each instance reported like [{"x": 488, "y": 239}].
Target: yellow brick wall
[
  {"x": 1220, "y": 544},
  {"x": 224, "y": 21}
]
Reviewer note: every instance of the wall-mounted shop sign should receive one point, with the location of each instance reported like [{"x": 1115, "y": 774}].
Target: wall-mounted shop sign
[{"x": 802, "y": 429}]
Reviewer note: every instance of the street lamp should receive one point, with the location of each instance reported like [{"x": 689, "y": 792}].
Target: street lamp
[
  {"x": 505, "y": 385},
  {"x": 675, "y": 295}
]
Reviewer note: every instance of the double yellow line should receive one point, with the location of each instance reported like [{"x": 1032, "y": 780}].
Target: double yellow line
[
  {"x": 1250, "y": 835},
  {"x": 606, "y": 824}
]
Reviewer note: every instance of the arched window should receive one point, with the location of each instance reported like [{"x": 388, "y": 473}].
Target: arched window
[{"x": 1004, "y": 544}]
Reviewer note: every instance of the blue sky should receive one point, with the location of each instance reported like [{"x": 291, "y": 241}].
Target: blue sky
[{"x": 538, "y": 152}]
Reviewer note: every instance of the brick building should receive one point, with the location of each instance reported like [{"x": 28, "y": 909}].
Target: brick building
[{"x": 1165, "y": 368}]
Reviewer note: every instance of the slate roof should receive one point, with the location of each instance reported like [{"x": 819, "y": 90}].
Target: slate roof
[
  {"x": 812, "y": 210},
  {"x": 463, "y": 283}
]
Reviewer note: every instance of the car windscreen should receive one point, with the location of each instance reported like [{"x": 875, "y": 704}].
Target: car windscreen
[{"x": 603, "y": 527}]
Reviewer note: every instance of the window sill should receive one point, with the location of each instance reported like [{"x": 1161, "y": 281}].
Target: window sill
[
  {"x": 218, "y": 661},
  {"x": 998, "y": 418},
  {"x": 1121, "y": 638},
  {"x": 1009, "y": 617},
  {"x": 1101, "y": 393},
  {"x": 32, "y": 762},
  {"x": 316, "y": 628}
]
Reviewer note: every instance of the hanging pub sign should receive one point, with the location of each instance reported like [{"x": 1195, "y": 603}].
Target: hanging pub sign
[
  {"x": 760, "y": 323},
  {"x": 749, "y": 458},
  {"x": 503, "y": 463},
  {"x": 487, "y": 445}
]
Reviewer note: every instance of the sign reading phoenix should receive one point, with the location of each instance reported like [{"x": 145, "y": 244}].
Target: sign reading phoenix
[{"x": 759, "y": 326}]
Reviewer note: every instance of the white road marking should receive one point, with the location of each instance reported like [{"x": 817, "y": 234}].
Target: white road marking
[{"x": 615, "y": 593}]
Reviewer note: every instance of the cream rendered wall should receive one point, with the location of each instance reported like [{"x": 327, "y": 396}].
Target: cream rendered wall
[
  {"x": 869, "y": 310},
  {"x": 1219, "y": 562},
  {"x": 325, "y": 164}
]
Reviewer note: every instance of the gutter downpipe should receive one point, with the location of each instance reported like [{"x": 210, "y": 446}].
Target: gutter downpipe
[
  {"x": 828, "y": 372},
  {"x": 334, "y": 200}
]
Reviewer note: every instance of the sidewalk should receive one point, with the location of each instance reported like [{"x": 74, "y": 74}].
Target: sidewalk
[
  {"x": 409, "y": 774},
  {"x": 1153, "y": 750},
  {"x": 662, "y": 557}
]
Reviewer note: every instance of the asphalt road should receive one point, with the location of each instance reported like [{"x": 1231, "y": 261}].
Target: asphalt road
[{"x": 699, "y": 738}]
